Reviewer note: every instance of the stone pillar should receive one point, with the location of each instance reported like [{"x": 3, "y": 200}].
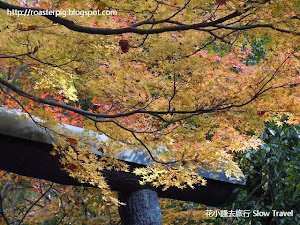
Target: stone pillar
[{"x": 142, "y": 208}]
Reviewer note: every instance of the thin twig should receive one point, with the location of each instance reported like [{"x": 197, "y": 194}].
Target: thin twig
[{"x": 28, "y": 210}]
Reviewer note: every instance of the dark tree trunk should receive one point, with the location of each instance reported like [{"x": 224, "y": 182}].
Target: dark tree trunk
[{"x": 142, "y": 208}]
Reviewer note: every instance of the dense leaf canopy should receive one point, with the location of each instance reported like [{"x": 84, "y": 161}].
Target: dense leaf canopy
[{"x": 188, "y": 83}]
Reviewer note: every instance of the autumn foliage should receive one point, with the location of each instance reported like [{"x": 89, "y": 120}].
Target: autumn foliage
[{"x": 186, "y": 92}]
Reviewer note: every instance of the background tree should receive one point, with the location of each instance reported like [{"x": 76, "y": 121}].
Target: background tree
[
  {"x": 273, "y": 176},
  {"x": 33, "y": 201}
]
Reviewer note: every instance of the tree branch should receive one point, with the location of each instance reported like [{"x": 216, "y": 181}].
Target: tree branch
[{"x": 110, "y": 31}]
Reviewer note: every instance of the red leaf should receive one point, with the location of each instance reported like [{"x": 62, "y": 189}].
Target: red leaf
[
  {"x": 261, "y": 113},
  {"x": 72, "y": 113},
  {"x": 31, "y": 27},
  {"x": 221, "y": 2},
  {"x": 72, "y": 141},
  {"x": 71, "y": 166},
  {"x": 124, "y": 44}
]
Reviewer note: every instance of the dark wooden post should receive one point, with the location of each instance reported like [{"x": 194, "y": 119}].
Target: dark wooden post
[{"x": 142, "y": 208}]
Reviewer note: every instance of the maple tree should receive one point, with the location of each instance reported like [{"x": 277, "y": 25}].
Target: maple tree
[{"x": 170, "y": 79}]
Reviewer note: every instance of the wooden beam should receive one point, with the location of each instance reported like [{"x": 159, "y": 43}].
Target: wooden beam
[{"x": 30, "y": 156}]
